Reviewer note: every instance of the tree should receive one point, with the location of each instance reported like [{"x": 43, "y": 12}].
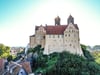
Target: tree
[
  {"x": 87, "y": 53},
  {"x": 10, "y": 58},
  {"x": 4, "y": 51},
  {"x": 70, "y": 64}
]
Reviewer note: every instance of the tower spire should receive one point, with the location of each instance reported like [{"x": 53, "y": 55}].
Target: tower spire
[
  {"x": 70, "y": 19},
  {"x": 57, "y": 20}
]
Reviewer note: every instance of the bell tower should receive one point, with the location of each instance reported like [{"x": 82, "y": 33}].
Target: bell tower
[
  {"x": 70, "y": 20},
  {"x": 57, "y": 20}
]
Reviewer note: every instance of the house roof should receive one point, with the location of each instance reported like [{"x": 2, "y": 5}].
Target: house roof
[
  {"x": 1, "y": 65},
  {"x": 55, "y": 29},
  {"x": 59, "y": 29},
  {"x": 25, "y": 65},
  {"x": 32, "y": 35}
]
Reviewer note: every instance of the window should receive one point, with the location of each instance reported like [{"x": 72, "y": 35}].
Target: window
[
  {"x": 65, "y": 35},
  {"x": 49, "y": 36},
  {"x": 58, "y": 36},
  {"x": 43, "y": 37},
  {"x": 53, "y": 36},
  {"x": 70, "y": 45},
  {"x": 73, "y": 46},
  {"x": 74, "y": 35},
  {"x": 62, "y": 36},
  {"x": 72, "y": 30},
  {"x": 69, "y": 35}
]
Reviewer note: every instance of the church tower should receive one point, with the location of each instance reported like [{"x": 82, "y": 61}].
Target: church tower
[
  {"x": 70, "y": 20},
  {"x": 57, "y": 20}
]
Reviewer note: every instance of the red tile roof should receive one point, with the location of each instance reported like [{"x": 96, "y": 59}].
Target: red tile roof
[
  {"x": 59, "y": 29},
  {"x": 55, "y": 29},
  {"x": 27, "y": 67}
]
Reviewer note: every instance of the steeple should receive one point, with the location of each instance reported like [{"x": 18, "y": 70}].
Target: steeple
[
  {"x": 70, "y": 20},
  {"x": 57, "y": 20}
]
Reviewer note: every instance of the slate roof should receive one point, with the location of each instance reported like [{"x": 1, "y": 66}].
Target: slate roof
[{"x": 25, "y": 65}]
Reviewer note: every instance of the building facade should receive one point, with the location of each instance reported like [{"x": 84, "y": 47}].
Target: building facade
[{"x": 57, "y": 38}]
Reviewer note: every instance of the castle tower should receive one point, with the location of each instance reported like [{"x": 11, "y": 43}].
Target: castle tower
[
  {"x": 57, "y": 20},
  {"x": 70, "y": 20}
]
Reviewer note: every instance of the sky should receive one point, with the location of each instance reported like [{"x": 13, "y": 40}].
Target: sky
[{"x": 18, "y": 19}]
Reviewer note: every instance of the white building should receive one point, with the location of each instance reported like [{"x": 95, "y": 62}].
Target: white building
[{"x": 57, "y": 38}]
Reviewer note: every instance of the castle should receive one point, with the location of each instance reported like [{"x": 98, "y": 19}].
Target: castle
[{"x": 57, "y": 38}]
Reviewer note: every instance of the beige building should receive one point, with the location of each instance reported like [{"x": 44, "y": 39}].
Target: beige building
[{"x": 57, "y": 38}]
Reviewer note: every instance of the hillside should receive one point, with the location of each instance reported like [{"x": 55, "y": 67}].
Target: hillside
[{"x": 64, "y": 63}]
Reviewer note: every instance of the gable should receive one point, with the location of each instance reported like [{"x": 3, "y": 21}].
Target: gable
[
  {"x": 73, "y": 27},
  {"x": 56, "y": 30}
]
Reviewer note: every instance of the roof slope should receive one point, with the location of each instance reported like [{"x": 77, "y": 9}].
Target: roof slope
[{"x": 58, "y": 29}]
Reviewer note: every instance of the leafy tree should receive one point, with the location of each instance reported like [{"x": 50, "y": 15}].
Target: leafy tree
[
  {"x": 10, "y": 58},
  {"x": 87, "y": 53},
  {"x": 69, "y": 64},
  {"x": 64, "y": 63},
  {"x": 4, "y": 51}
]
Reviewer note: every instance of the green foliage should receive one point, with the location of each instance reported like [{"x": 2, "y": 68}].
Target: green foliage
[
  {"x": 64, "y": 64},
  {"x": 4, "y": 51},
  {"x": 96, "y": 55},
  {"x": 69, "y": 64},
  {"x": 10, "y": 57},
  {"x": 87, "y": 53}
]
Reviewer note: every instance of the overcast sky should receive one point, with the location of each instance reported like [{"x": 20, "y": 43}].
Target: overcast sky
[{"x": 18, "y": 18}]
